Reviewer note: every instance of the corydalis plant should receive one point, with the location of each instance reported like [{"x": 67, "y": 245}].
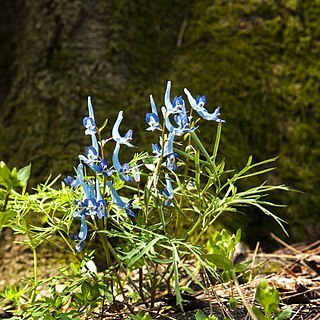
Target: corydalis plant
[
  {"x": 176, "y": 204},
  {"x": 94, "y": 203}
]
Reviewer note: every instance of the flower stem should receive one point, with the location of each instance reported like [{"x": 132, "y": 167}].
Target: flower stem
[{"x": 35, "y": 273}]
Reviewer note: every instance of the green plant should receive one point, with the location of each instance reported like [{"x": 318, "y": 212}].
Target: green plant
[
  {"x": 74, "y": 294},
  {"x": 201, "y": 316},
  {"x": 174, "y": 197},
  {"x": 268, "y": 298},
  {"x": 10, "y": 180},
  {"x": 141, "y": 316}
]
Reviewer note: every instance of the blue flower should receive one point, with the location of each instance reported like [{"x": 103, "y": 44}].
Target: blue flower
[
  {"x": 181, "y": 120},
  {"x": 91, "y": 158},
  {"x": 211, "y": 116},
  {"x": 90, "y": 109},
  {"x": 118, "y": 201},
  {"x": 101, "y": 203},
  {"x": 171, "y": 156},
  {"x": 89, "y": 123},
  {"x": 90, "y": 126},
  {"x": 92, "y": 154},
  {"x": 82, "y": 210},
  {"x": 75, "y": 182},
  {"x": 178, "y": 105},
  {"x": 152, "y": 118},
  {"x": 171, "y": 162},
  {"x": 82, "y": 234},
  {"x": 156, "y": 149},
  {"x": 198, "y": 105},
  {"x": 168, "y": 146},
  {"x": 201, "y": 101},
  {"x": 123, "y": 170},
  {"x": 72, "y": 182},
  {"x": 116, "y": 135},
  {"x": 90, "y": 206},
  {"x": 153, "y": 121},
  {"x": 167, "y": 192},
  {"x": 178, "y": 102},
  {"x": 104, "y": 168},
  {"x": 153, "y": 106}
]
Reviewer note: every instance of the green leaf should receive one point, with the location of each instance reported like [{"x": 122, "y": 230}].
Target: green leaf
[
  {"x": 259, "y": 314},
  {"x": 4, "y": 175},
  {"x": 233, "y": 303},
  {"x": 23, "y": 175},
  {"x": 176, "y": 260},
  {"x": 216, "y": 143},
  {"x": 200, "y": 315},
  {"x": 58, "y": 303},
  {"x": 238, "y": 236},
  {"x": 268, "y": 297},
  {"x": 64, "y": 271},
  {"x": 86, "y": 288},
  {"x": 74, "y": 268},
  {"x": 284, "y": 314},
  {"x": 5, "y": 217},
  {"x": 241, "y": 267},
  {"x": 150, "y": 159},
  {"x": 79, "y": 297},
  {"x": 220, "y": 261},
  {"x": 142, "y": 249},
  {"x": 12, "y": 293}
]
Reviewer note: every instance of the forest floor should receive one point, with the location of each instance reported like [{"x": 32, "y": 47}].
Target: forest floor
[{"x": 294, "y": 270}]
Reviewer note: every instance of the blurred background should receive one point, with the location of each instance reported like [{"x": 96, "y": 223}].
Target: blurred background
[{"x": 258, "y": 59}]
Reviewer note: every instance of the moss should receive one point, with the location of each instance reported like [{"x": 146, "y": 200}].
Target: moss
[{"x": 258, "y": 59}]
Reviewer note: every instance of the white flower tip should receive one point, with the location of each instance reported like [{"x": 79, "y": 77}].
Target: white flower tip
[{"x": 89, "y": 102}]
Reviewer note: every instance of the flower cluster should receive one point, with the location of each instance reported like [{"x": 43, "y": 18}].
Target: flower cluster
[
  {"x": 177, "y": 108},
  {"x": 93, "y": 203}
]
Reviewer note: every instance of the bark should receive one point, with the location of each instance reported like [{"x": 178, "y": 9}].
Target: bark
[{"x": 63, "y": 51}]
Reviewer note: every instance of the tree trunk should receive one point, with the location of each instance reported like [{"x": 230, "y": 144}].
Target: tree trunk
[{"x": 61, "y": 51}]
